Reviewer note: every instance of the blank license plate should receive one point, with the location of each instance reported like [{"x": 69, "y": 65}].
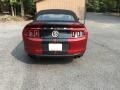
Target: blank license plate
[{"x": 55, "y": 47}]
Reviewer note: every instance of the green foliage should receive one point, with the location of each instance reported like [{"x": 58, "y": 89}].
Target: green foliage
[
  {"x": 93, "y": 5},
  {"x": 13, "y": 2},
  {"x": 29, "y": 6},
  {"x": 96, "y": 6},
  {"x": 103, "y": 5}
]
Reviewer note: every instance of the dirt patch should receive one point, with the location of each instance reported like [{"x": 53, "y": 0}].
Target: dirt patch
[{"x": 6, "y": 18}]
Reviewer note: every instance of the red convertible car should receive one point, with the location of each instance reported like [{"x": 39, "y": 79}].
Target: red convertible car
[{"x": 55, "y": 32}]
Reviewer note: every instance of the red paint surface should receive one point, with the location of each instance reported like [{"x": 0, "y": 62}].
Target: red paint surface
[{"x": 76, "y": 45}]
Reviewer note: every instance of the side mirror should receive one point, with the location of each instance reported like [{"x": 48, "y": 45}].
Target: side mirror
[{"x": 78, "y": 19}]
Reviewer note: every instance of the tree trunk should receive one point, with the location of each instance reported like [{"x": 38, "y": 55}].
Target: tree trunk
[
  {"x": 0, "y": 6},
  {"x": 118, "y": 7},
  {"x": 22, "y": 8},
  {"x": 15, "y": 11},
  {"x": 12, "y": 10}
]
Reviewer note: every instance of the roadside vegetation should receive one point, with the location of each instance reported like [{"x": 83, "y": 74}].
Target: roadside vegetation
[
  {"x": 16, "y": 10},
  {"x": 25, "y": 9},
  {"x": 105, "y": 6}
]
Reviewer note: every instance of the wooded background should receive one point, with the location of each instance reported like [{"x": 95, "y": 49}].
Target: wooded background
[{"x": 27, "y": 7}]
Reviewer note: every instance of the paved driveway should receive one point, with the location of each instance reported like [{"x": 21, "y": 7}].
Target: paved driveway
[{"x": 98, "y": 69}]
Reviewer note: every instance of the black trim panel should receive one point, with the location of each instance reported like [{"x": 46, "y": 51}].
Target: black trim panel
[
  {"x": 65, "y": 55},
  {"x": 46, "y": 42}
]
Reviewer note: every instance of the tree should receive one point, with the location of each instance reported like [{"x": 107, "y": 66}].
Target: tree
[
  {"x": 94, "y": 5},
  {"x": 0, "y": 6},
  {"x": 13, "y": 4},
  {"x": 22, "y": 8},
  {"x": 118, "y": 7},
  {"x": 29, "y": 7},
  {"x": 104, "y": 5}
]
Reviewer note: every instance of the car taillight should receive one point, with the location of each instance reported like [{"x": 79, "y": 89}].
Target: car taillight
[
  {"x": 77, "y": 34},
  {"x": 77, "y": 30},
  {"x": 32, "y": 32}
]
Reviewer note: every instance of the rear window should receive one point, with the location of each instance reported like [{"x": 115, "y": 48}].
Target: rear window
[{"x": 55, "y": 17}]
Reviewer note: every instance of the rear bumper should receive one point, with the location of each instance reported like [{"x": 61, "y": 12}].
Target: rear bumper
[
  {"x": 77, "y": 47},
  {"x": 72, "y": 55}
]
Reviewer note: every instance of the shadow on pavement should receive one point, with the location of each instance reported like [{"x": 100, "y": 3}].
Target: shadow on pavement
[{"x": 19, "y": 53}]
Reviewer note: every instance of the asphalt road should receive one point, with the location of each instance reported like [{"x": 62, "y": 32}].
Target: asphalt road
[{"x": 98, "y": 69}]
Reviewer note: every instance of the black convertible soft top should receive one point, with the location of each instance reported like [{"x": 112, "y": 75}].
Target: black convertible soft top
[{"x": 57, "y": 11}]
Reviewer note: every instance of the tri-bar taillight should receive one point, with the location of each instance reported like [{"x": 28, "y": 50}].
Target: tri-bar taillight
[
  {"x": 32, "y": 32},
  {"x": 78, "y": 30},
  {"x": 78, "y": 34}
]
